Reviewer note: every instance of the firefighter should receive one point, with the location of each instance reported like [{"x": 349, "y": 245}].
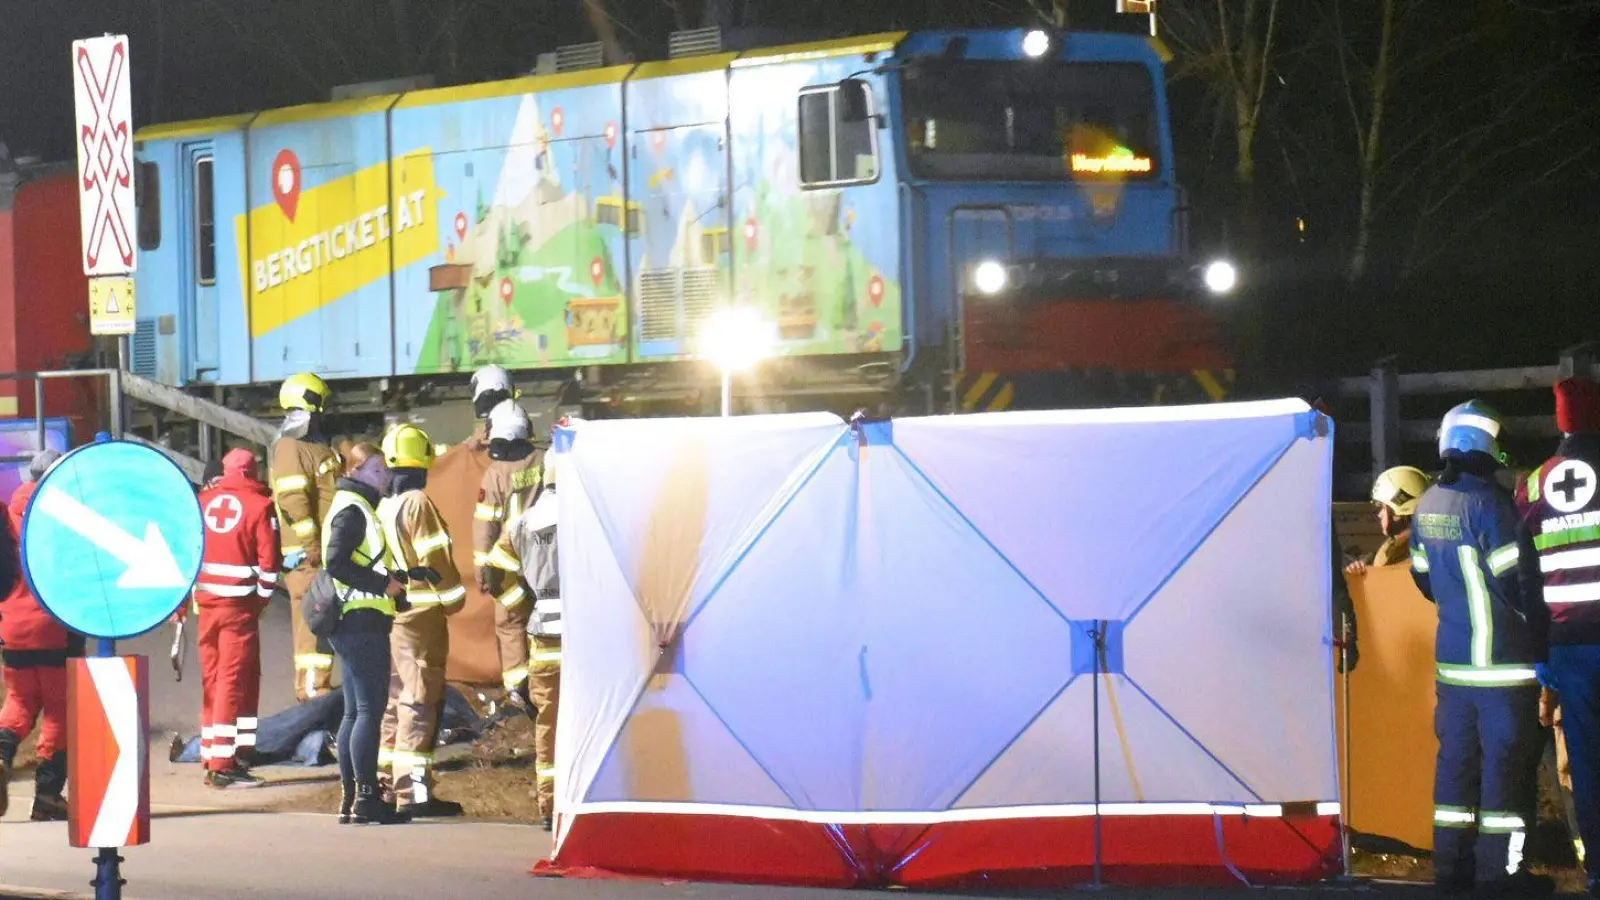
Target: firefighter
[
  {"x": 418, "y": 545},
  {"x": 508, "y": 487},
  {"x": 1559, "y": 503},
  {"x": 35, "y": 674},
  {"x": 238, "y": 575},
  {"x": 1466, "y": 557},
  {"x": 1395, "y": 494},
  {"x": 491, "y": 385},
  {"x": 303, "y": 471},
  {"x": 526, "y": 553}
]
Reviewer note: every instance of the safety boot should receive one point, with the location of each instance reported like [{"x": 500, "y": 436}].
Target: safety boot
[
  {"x": 420, "y": 800},
  {"x": 234, "y": 778},
  {"x": 8, "y": 753},
  {"x": 432, "y": 808},
  {"x": 49, "y": 808},
  {"x": 49, "y": 780},
  {"x": 1522, "y": 884},
  {"x": 369, "y": 808}
]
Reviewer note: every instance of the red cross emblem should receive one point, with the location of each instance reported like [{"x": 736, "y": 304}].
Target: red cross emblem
[
  {"x": 223, "y": 513},
  {"x": 104, "y": 155}
]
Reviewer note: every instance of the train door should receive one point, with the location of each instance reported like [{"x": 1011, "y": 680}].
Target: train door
[{"x": 198, "y": 283}]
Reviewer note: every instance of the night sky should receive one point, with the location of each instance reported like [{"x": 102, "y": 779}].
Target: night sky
[{"x": 1486, "y": 239}]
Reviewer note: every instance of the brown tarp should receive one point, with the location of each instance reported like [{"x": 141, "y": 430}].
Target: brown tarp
[
  {"x": 1392, "y": 746},
  {"x": 453, "y": 486}
]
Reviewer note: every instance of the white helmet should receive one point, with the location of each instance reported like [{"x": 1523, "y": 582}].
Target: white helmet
[
  {"x": 490, "y": 378},
  {"x": 508, "y": 422},
  {"x": 490, "y": 385}
]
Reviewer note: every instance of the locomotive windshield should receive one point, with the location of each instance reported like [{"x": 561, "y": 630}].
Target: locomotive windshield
[{"x": 1030, "y": 120}]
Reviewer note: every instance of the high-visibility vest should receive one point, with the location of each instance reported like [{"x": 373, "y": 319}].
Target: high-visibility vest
[{"x": 370, "y": 554}]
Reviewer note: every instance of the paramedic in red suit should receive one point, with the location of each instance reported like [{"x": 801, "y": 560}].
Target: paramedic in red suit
[
  {"x": 35, "y": 660},
  {"x": 238, "y": 575}
]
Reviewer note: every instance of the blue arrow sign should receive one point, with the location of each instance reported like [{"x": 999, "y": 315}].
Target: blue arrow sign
[{"x": 112, "y": 539}]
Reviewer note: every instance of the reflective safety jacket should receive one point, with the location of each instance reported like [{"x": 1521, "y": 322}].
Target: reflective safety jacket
[
  {"x": 508, "y": 488},
  {"x": 354, "y": 550},
  {"x": 416, "y": 537},
  {"x": 303, "y": 474},
  {"x": 241, "y": 559},
  {"x": 1466, "y": 557},
  {"x": 1560, "y": 509},
  {"x": 527, "y": 550}
]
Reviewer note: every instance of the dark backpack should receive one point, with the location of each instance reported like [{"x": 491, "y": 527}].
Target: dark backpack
[{"x": 322, "y": 605}]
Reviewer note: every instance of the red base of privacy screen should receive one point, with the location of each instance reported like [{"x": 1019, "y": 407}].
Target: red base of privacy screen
[{"x": 1039, "y": 852}]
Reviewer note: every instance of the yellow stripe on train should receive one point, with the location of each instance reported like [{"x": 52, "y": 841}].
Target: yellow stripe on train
[{"x": 984, "y": 392}]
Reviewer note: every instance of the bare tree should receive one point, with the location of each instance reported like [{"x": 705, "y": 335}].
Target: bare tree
[
  {"x": 1369, "y": 132},
  {"x": 1233, "y": 52},
  {"x": 1054, "y": 13},
  {"x": 1451, "y": 122}
]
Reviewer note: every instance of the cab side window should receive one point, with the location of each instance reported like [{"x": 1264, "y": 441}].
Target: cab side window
[
  {"x": 834, "y": 152},
  {"x": 147, "y": 198},
  {"x": 205, "y": 224}
]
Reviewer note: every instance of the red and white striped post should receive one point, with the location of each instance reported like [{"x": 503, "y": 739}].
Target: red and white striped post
[{"x": 108, "y": 732}]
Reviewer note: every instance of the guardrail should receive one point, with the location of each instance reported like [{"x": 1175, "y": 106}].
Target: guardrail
[
  {"x": 113, "y": 392},
  {"x": 1385, "y": 432},
  {"x": 117, "y": 382}
]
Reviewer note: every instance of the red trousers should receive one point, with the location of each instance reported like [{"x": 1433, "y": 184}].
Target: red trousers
[
  {"x": 230, "y": 682},
  {"x": 30, "y": 692}
]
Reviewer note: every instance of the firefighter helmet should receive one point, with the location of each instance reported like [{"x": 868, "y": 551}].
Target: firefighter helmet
[
  {"x": 1399, "y": 489},
  {"x": 407, "y": 447},
  {"x": 508, "y": 422},
  {"x": 1472, "y": 427},
  {"x": 490, "y": 385},
  {"x": 304, "y": 391}
]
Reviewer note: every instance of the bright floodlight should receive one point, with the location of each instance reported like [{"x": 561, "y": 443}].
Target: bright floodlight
[
  {"x": 734, "y": 338},
  {"x": 1035, "y": 44},
  {"x": 989, "y": 277},
  {"x": 1221, "y": 277}
]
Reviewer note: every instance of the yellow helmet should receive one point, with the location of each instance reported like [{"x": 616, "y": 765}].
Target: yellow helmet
[
  {"x": 407, "y": 447},
  {"x": 1399, "y": 489},
  {"x": 304, "y": 391}
]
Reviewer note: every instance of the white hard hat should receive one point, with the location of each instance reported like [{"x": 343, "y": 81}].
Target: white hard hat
[
  {"x": 490, "y": 378},
  {"x": 508, "y": 422}
]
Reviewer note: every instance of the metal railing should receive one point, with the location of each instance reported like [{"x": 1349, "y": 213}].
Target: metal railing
[
  {"x": 1386, "y": 431},
  {"x": 113, "y": 392},
  {"x": 116, "y": 423}
]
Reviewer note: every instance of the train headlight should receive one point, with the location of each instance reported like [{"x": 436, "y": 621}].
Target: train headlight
[
  {"x": 1035, "y": 44},
  {"x": 989, "y": 277},
  {"x": 1221, "y": 277}
]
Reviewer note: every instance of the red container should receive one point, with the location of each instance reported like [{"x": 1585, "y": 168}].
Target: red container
[{"x": 44, "y": 297}]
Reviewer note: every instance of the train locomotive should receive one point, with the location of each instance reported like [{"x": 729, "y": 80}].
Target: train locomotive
[{"x": 925, "y": 222}]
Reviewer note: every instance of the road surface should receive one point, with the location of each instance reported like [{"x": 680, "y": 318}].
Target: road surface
[
  {"x": 302, "y": 856},
  {"x": 229, "y": 844}
]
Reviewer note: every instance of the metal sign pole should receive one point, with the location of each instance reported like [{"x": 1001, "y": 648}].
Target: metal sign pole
[
  {"x": 108, "y": 879},
  {"x": 1349, "y": 788},
  {"x": 1098, "y": 635},
  {"x": 119, "y": 424},
  {"x": 111, "y": 547}
]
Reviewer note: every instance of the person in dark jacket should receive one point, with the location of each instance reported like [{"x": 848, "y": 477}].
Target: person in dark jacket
[
  {"x": 1467, "y": 556},
  {"x": 1560, "y": 509},
  {"x": 354, "y": 554}
]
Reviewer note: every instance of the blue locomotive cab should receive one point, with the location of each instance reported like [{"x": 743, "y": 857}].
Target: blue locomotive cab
[{"x": 1048, "y": 221}]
